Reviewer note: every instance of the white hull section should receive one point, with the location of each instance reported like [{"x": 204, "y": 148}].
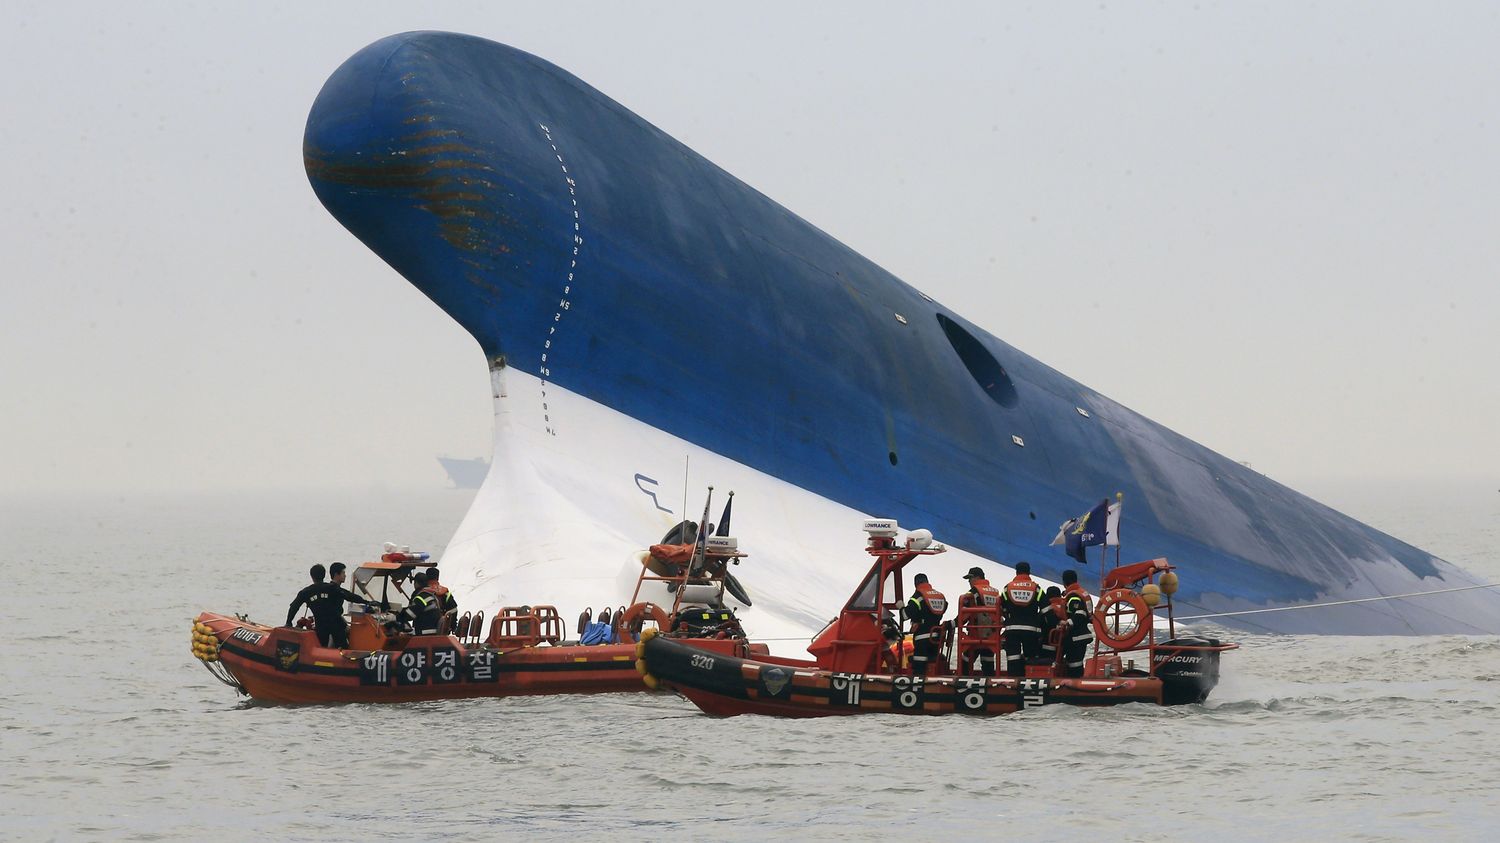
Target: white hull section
[{"x": 576, "y": 490}]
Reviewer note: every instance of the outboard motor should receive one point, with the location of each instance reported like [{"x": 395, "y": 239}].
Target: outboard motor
[
  {"x": 1188, "y": 669},
  {"x": 706, "y": 622}
]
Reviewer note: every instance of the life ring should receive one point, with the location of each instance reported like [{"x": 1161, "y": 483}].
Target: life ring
[
  {"x": 628, "y": 623},
  {"x": 1108, "y": 602}
]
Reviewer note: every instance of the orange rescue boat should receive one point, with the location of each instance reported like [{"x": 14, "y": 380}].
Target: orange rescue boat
[
  {"x": 850, "y": 674},
  {"x": 523, "y": 651}
]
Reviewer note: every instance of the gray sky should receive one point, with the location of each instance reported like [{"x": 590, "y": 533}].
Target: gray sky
[{"x": 1274, "y": 228}]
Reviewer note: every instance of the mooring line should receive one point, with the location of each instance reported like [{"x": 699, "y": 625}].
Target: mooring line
[
  {"x": 1289, "y": 608},
  {"x": 1337, "y": 602}
]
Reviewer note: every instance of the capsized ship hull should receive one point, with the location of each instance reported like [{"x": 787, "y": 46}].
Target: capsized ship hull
[{"x": 642, "y": 309}]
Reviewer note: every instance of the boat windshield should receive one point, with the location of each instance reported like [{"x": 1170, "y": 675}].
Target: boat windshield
[{"x": 865, "y": 598}]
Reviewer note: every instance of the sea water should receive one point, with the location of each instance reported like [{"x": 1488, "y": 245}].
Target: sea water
[{"x": 109, "y": 728}]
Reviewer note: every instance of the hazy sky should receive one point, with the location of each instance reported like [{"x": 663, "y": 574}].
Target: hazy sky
[{"x": 1274, "y": 228}]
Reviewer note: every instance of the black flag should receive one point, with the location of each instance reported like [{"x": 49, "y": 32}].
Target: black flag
[{"x": 724, "y": 519}]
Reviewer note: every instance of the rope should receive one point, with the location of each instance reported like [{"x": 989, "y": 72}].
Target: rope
[
  {"x": 1288, "y": 608},
  {"x": 1337, "y": 602}
]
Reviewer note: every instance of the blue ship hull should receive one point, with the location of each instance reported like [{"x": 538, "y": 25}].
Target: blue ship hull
[{"x": 582, "y": 245}]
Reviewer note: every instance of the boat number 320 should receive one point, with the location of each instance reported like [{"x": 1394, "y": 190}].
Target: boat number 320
[{"x": 703, "y": 662}]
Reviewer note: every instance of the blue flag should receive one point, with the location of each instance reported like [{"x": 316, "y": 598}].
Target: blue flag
[{"x": 1087, "y": 531}]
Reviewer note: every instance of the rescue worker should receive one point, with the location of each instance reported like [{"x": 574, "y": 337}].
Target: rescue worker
[
  {"x": 326, "y": 602},
  {"x": 1052, "y": 616},
  {"x": 423, "y": 613},
  {"x": 1021, "y": 606},
  {"x": 1079, "y": 609},
  {"x": 925, "y": 612},
  {"x": 980, "y": 595},
  {"x": 446, "y": 602}
]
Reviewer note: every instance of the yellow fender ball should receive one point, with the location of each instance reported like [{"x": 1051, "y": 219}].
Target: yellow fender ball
[
  {"x": 1169, "y": 582},
  {"x": 640, "y": 651},
  {"x": 648, "y": 633},
  {"x": 651, "y": 682},
  {"x": 640, "y": 667},
  {"x": 1151, "y": 594}
]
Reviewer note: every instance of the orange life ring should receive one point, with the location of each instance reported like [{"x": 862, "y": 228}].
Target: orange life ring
[
  {"x": 1107, "y": 602},
  {"x": 628, "y": 622}
]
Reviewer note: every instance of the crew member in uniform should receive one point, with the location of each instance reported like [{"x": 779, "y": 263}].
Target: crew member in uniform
[
  {"x": 1021, "y": 605},
  {"x": 1052, "y": 617},
  {"x": 446, "y": 602},
  {"x": 424, "y": 612},
  {"x": 982, "y": 595},
  {"x": 1078, "y": 609},
  {"x": 326, "y": 602},
  {"x": 925, "y": 611}
]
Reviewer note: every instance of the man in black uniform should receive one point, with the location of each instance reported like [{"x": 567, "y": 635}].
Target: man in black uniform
[
  {"x": 1021, "y": 608},
  {"x": 1080, "y": 632},
  {"x": 447, "y": 603},
  {"x": 424, "y": 612},
  {"x": 925, "y": 611},
  {"x": 326, "y": 602},
  {"x": 1051, "y": 617}
]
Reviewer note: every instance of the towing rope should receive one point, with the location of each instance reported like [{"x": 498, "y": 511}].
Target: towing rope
[
  {"x": 1338, "y": 602},
  {"x": 1289, "y": 608}
]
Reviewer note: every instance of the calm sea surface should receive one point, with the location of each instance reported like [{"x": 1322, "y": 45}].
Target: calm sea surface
[{"x": 110, "y": 729}]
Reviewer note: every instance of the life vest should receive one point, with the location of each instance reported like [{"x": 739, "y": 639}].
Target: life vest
[
  {"x": 1081, "y": 630},
  {"x": 426, "y": 611},
  {"x": 445, "y": 602},
  {"x": 1075, "y": 588},
  {"x": 1022, "y": 604},
  {"x": 1059, "y": 611},
  {"x": 984, "y": 596},
  {"x": 981, "y": 593},
  {"x": 937, "y": 604},
  {"x": 1022, "y": 590}
]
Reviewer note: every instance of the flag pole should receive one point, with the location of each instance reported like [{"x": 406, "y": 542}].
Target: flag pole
[{"x": 1120, "y": 502}]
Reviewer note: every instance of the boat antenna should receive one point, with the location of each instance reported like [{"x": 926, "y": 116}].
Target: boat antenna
[{"x": 1119, "y": 516}]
